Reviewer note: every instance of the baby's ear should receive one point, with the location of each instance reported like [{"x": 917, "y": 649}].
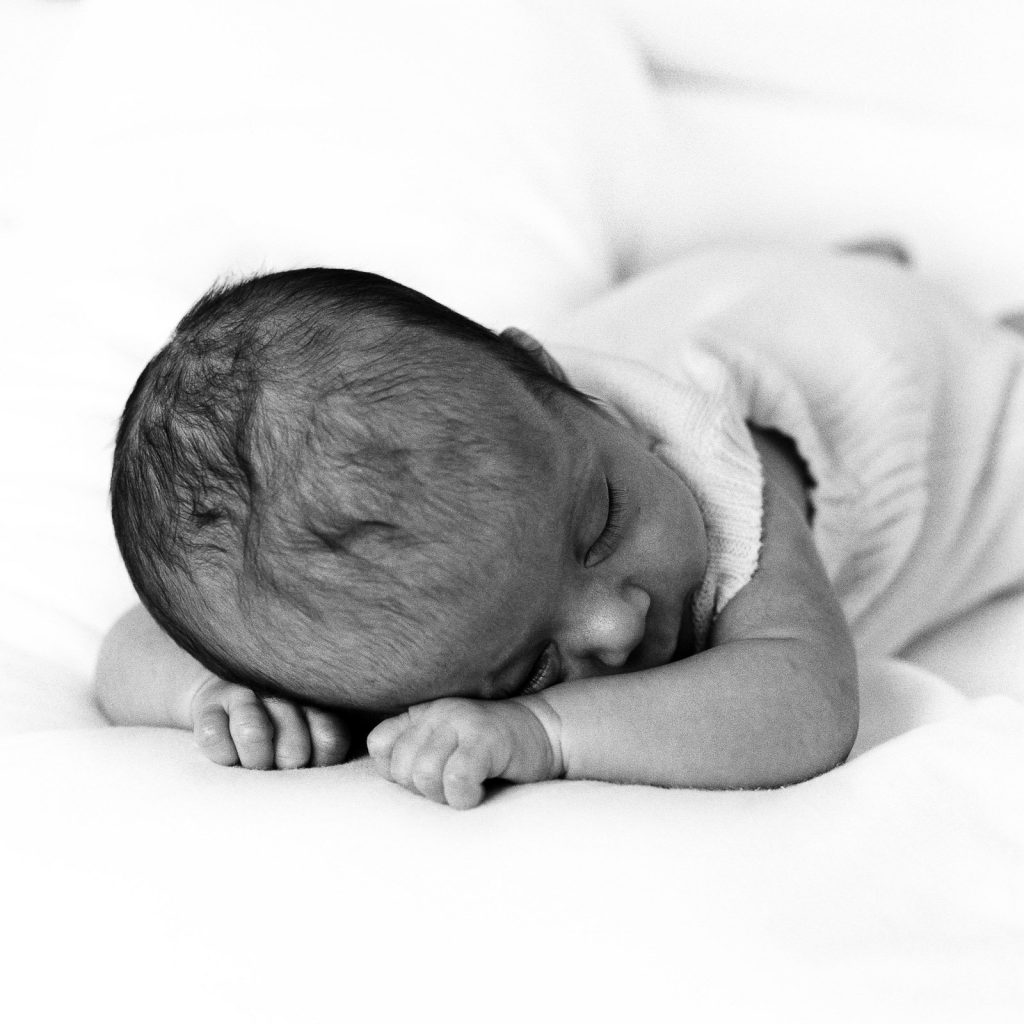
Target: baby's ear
[{"x": 532, "y": 347}]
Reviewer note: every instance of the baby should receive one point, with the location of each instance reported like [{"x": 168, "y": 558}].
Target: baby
[{"x": 341, "y": 502}]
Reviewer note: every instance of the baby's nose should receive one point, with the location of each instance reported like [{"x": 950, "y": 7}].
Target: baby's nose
[{"x": 611, "y": 626}]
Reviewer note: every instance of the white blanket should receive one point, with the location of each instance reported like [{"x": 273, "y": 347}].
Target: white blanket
[{"x": 514, "y": 159}]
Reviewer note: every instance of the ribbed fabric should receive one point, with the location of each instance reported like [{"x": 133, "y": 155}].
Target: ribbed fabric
[
  {"x": 859, "y": 405},
  {"x": 864, "y": 440}
]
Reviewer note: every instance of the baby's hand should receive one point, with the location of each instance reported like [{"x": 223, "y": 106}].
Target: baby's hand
[
  {"x": 233, "y": 725},
  {"x": 446, "y": 749}
]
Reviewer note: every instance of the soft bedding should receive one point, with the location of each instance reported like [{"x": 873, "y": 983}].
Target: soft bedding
[{"x": 515, "y": 159}]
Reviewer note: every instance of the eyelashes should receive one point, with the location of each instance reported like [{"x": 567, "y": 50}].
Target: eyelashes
[
  {"x": 548, "y": 667},
  {"x": 616, "y": 515},
  {"x": 612, "y": 527}
]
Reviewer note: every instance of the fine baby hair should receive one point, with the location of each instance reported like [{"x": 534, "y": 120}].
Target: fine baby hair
[{"x": 301, "y": 473}]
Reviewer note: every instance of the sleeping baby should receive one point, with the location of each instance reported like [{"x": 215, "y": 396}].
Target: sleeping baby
[{"x": 646, "y": 560}]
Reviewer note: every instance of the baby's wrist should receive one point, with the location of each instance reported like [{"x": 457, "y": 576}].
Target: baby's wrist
[{"x": 548, "y": 731}]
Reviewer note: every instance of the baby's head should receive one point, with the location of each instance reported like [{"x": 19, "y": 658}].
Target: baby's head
[{"x": 330, "y": 487}]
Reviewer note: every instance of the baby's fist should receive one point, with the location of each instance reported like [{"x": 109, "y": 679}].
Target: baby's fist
[
  {"x": 233, "y": 725},
  {"x": 447, "y": 749}
]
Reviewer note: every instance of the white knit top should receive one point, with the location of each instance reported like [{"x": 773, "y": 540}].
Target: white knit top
[{"x": 907, "y": 409}]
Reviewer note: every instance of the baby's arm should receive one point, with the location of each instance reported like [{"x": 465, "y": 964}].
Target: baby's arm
[
  {"x": 144, "y": 678},
  {"x": 773, "y": 702}
]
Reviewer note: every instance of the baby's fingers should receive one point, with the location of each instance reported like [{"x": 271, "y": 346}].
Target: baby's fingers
[
  {"x": 292, "y": 746},
  {"x": 464, "y": 776},
  {"x": 382, "y": 739},
  {"x": 422, "y": 766},
  {"x": 330, "y": 737},
  {"x": 213, "y": 735},
  {"x": 251, "y": 730}
]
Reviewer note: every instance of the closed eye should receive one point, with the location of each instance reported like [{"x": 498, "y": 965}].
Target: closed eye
[{"x": 614, "y": 520}]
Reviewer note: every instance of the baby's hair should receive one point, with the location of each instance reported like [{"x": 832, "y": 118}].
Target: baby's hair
[{"x": 300, "y": 476}]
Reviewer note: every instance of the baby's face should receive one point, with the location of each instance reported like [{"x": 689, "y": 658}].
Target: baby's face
[{"x": 597, "y": 574}]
